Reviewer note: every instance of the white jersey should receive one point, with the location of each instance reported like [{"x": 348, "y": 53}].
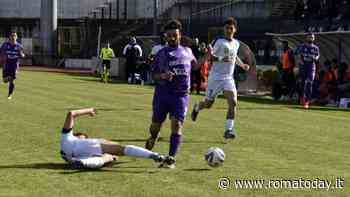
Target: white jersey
[
  {"x": 74, "y": 147},
  {"x": 156, "y": 48},
  {"x": 224, "y": 48}
]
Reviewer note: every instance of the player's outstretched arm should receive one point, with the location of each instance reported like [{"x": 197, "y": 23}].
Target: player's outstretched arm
[
  {"x": 71, "y": 115},
  {"x": 23, "y": 55},
  {"x": 241, "y": 64}
]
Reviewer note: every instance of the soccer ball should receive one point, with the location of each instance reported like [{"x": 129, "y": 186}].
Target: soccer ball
[{"x": 215, "y": 157}]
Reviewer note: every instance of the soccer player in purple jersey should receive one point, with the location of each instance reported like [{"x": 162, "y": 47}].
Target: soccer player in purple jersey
[
  {"x": 309, "y": 54},
  {"x": 11, "y": 51},
  {"x": 171, "y": 69}
]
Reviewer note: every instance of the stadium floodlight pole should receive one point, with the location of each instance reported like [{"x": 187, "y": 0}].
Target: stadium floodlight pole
[
  {"x": 48, "y": 27},
  {"x": 108, "y": 4},
  {"x": 117, "y": 10},
  {"x": 99, "y": 40},
  {"x": 155, "y": 16},
  {"x": 190, "y": 18},
  {"x": 110, "y": 10},
  {"x": 125, "y": 9},
  {"x": 95, "y": 11}
]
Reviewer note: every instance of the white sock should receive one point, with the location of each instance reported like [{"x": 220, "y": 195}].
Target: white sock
[
  {"x": 230, "y": 123},
  {"x": 135, "y": 151}
]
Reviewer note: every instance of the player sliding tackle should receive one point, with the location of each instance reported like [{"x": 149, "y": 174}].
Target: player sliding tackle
[
  {"x": 83, "y": 152},
  {"x": 224, "y": 54}
]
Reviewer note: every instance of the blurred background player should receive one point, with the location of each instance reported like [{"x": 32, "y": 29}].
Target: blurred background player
[
  {"x": 156, "y": 48},
  {"x": 132, "y": 53},
  {"x": 107, "y": 54},
  {"x": 172, "y": 70},
  {"x": 82, "y": 152},
  {"x": 220, "y": 79},
  {"x": 309, "y": 54},
  {"x": 10, "y": 52},
  {"x": 154, "y": 51}
]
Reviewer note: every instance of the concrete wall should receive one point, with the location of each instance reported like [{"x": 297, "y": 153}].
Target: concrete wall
[
  {"x": 117, "y": 66},
  {"x": 19, "y": 8}
]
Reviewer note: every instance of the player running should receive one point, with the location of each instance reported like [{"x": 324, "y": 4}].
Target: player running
[
  {"x": 224, "y": 54},
  {"x": 309, "y": 55},
  {"x": 10, "y": 52},
  {"x": 171, "y": 69},
  {"x": 82, "y": 152}
]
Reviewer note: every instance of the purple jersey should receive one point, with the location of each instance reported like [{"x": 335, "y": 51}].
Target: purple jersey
[
  {"x": 177, "y": 60},
  {"x": 309, "y": 54},
  {"x": 12, "y": 52}
]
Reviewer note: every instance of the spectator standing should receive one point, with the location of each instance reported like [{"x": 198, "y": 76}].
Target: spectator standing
[{"x": 133, "y": 53}]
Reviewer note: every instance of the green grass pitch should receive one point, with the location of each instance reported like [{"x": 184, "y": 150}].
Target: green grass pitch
[{"x": 275, "y": 142}]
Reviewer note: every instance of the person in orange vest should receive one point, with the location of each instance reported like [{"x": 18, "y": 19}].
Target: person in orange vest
[
  {"x": 204, "y": 53},
  {"x": 288, "y": 77}
]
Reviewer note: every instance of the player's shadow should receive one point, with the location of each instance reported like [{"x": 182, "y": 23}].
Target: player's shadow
[
  {"x": 104, "y": 109},
  {"x": 115, "y": 167},
  {"x": 318, "y": 108},
  {"x": 197, "y": 169},
  {"x": 91, "y": 79},
  {"x": 264, "y": 100},
  {"x": 129, "y": 140},
  {"x": 165, "y": 139},
  {"x": 38, "y": 166},
  {"x": 110, "y": 170},
  {"x": 270, "y": 108},
  {"x": 49, "y": 166}
]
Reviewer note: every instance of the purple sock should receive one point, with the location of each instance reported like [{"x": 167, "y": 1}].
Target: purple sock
[
  {"x": 11, "y": 88},
  {"x": 175, "y": 141}
]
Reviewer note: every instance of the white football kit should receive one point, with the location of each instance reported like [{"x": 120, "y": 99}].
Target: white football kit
[
  {"x": 73, "y": 147},
  {"x": 156, "y": 49},
  {"x": 221, "y": 73}
]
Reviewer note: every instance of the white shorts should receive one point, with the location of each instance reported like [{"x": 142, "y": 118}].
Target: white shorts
[
  {"x": 87, "y": 148},
  {"x": 217, "y": 86}
]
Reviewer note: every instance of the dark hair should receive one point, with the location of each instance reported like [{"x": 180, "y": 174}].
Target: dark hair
[
  {"x": 173, "y": 24},
  {"x": 310, "y": 33},
  {"x": 231, "y": 21},
  {"x": 12, "y": 32},
  {"x": 83, "y": 134}
]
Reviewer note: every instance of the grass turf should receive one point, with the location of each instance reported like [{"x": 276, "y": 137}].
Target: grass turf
[{"x": 275, "y": 141}]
